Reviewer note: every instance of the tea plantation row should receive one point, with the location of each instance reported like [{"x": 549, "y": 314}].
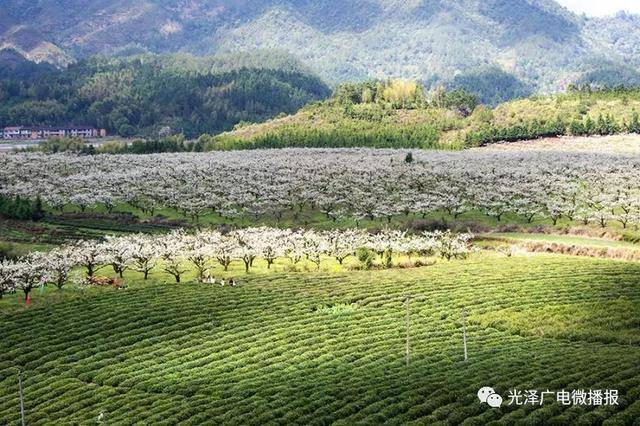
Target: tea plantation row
[{"x": 329, "y": 347}]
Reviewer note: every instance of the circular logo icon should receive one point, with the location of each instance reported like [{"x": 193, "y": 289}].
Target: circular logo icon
[
  {"x": 487, "y": 395},
  {"x": 484, "y": 393}
]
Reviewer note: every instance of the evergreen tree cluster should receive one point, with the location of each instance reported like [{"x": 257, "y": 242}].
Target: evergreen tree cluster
[
  {"x": 491, "y": 85},
  {"x": 345, "y": 136},
  {"x": 21, "y": 208},
  {"x": 603, "y": 125},
  {"x": 490, "y": 133}
]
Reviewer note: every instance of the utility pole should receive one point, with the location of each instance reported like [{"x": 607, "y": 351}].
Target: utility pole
[
  {"x": 407, "y": 355},
  {"x": 464, "y": 333},
  {"x": 21, "y": 398}
]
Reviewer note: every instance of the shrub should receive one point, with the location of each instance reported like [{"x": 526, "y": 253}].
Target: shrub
[
  {"x": 365, "y": 257},
  {"x": 387, "y": 259},
  {"x": 54, "y": 145},
  {"x": 10, "y": 251},
  {"x": 421, "y": 225}
]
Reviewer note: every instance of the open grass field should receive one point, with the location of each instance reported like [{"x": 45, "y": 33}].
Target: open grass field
[
  {"x": 330, "y": 346},
  {"x": 565, "y": 239},
  {"x": 616, "y": 144}
]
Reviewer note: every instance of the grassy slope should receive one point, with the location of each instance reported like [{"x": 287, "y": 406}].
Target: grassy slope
[
  {"x": 329, "y": 346},
  {"x": 327, "y": 116},
  {"x": 565, "y": 239},
  {"x": 605, "y": 248},
  {"x": 567, "y": 106}
]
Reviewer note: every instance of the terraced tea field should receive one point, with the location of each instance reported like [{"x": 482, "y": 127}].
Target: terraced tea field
[{"x": 329, "y": 347}]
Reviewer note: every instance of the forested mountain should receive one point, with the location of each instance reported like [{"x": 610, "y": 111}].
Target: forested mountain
[
  {"x": 14, "y": 65},
  {"x": 536, "y": 44},
  {"x": 140, "y": 95}
]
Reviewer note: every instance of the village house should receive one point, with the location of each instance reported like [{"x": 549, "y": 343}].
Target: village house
[{"x": 25, "y": 132}]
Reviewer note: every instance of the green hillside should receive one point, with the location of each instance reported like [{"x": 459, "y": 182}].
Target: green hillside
[{"x": 400, "y": 114}]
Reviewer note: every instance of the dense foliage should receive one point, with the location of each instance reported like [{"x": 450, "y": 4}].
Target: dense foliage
[
  {"x": 53, "y": 145},
  {"x": 20, "y": 208},
  {"x": 15, "y": 66},
  {"x": 146, "y": 94},
  {"x": 491, "y": 85},
  {"x": 348, "y": 135},
  {"x": 611, "y": 75}
]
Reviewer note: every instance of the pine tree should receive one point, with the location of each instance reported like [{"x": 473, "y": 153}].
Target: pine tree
[{"x": 37, "y": 212}]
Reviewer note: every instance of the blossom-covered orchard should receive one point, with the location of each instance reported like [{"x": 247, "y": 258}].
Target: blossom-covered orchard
[
  {"x": 355, "y": 183},
  {"x": 178, "y": 253}
]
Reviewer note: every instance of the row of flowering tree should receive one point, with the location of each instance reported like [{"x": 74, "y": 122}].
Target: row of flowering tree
[
  {"x": 178, "y": 253},
  {"x": 355, "y": 183}
]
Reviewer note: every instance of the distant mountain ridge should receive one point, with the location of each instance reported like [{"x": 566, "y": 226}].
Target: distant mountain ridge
[{"x": 541, "y": 44}]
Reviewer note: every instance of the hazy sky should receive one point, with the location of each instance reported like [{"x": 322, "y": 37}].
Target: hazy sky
[{"x": 601, "y": 7}]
